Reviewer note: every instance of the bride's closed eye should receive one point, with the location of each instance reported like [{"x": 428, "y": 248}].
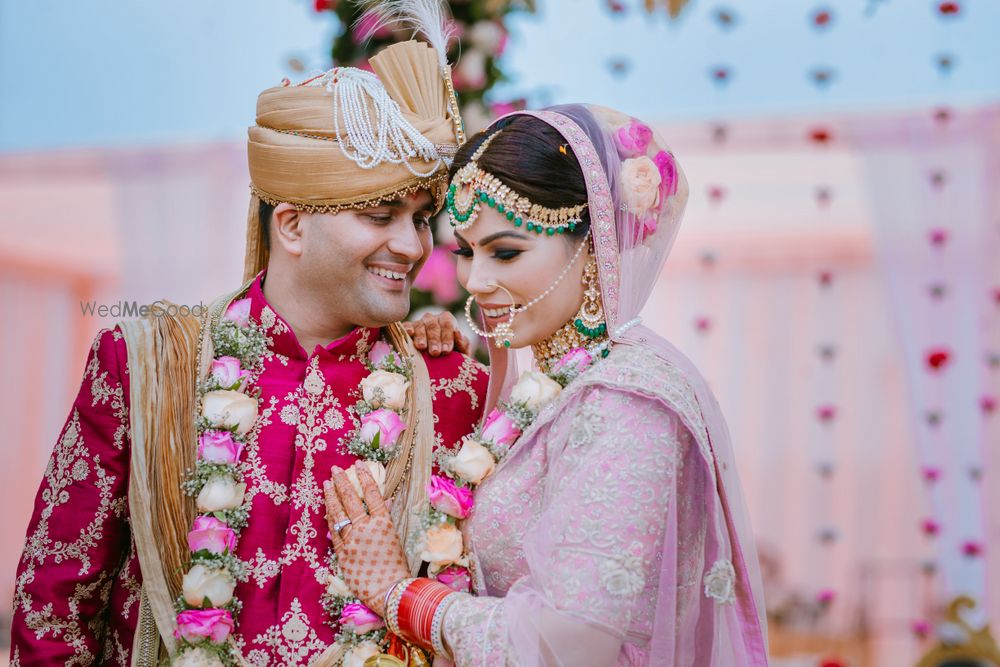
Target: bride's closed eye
[{"x": 502, "y": 254}]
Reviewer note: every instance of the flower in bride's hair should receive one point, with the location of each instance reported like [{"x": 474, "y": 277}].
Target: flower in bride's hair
[
  {"x": 473, "y": 462},
  {"x": 442, "y": 545},
  {"x": 381, "y": 352},
  {"x": 640, "y": 184},
  {"x": 385, "y": 424},
  {"x": 576, "y": 359},
  {"x": 500, "y": 429},
  {"x": 195, "y": 625},
  {"x": 535, "y": 389},
  {"x": 445, "y": 496},
  {"x": 229, "y": 409},
  {"x": 210, "y": 534},
  {"x": 215, "y": 584},
  {"x": 664, "y": 161},
  {"x": 377, "y": 471},
  {"x": 359, "y": 619},
  {"x": 633, "y": 139},
  {"x": 239, "y": 312},
  {"x": 220, "y": 492},
  {"x": 360, "y": 653},
  {"x": 383, "y": 389},
  {"x": 219, "y": 447},
  {"x": 227, "y": 373},
  {"x": 456, "y": 578}
]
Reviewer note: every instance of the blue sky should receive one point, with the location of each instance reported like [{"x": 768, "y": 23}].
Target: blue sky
[{"x": 128, "y": 72}]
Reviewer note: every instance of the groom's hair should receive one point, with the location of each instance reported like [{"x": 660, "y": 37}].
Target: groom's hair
[
  {"x": 531, "y": 157},
  {"x": 264, "y": 213}
]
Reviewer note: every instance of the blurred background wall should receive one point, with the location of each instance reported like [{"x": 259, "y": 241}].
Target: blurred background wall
[{"x": 836, "y": 278}]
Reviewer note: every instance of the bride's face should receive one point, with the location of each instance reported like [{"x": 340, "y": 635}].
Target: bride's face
[{"x": 494, "y": 252}]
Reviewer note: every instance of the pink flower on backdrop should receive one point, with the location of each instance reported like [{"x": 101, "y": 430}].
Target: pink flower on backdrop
[
  {"x": 702, "y": 324},
  {"x": 386, "y": 424},
  {"x": 972, "y": 548},
  {"x": 633, "y": 139},
  {"x": 938, "y": 237},
  {"x": 360, "y": 619},
  {"x": 825, "y": 278},
  {"x": 931, "y": 474},
  {"x": 930, "y": 527},
  {"x": 988, "y": 404},
  {"x": 381, "y": 351},
  {"x": 921, "y": 628},
  {"x": 439, "y": 277},
  {"x": 937, "y": 358},
  {"x": 577, "y": 358},
  {"x": 239, "y": 312},
  {"x": 211, "y": 534},
  {"x": 826, "y": 596},
  {"x": 996, "y": 295},
  {"x": 196, "y": 625},
  {"x": 949, "y": 9},
  {"x": 716, "y": 193},
  {"x": 219, "y": 447},
  {"x": 500, "y": 429},
  {"x": 227, "y": 372},
  {"x": 826, "y": 413},
  {"x": 456, "y": 578},
  {"x": 445, "y": 496},
  {"x": 503, "y": 108}
]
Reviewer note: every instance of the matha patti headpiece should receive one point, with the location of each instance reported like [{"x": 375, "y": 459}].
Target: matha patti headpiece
[{"x": 473, "y": 186}]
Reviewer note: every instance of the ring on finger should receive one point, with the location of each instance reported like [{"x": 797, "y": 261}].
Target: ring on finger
[{"x": 340, "y": 525}]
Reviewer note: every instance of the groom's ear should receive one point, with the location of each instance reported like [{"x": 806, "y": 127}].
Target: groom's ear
[{"x": 286, "y": 228}]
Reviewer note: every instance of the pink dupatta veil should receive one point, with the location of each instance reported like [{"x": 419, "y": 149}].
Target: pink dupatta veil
[{"x": 631, "y": 251}]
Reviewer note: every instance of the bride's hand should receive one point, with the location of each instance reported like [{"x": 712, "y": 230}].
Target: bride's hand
[
  {"x": 437, "y": 333},
  {"x": 368, "y": 551}
]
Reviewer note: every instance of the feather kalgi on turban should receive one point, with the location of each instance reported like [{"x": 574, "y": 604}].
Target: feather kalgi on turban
[{"x": 351, "y": 138}]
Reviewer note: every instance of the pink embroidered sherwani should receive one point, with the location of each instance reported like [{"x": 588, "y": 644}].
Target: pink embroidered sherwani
[{"x": 78, "y": 586}]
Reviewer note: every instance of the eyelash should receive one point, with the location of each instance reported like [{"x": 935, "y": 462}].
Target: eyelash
[
  {"x": 386, "y": 219},
  {"x": 502, "y": 255}
]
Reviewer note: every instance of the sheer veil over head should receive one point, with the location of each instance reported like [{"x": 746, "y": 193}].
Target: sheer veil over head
[{"x": 636, "y": 198}]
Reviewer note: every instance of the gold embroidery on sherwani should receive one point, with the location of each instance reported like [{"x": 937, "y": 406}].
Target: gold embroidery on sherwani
[
  {"x": 293, "y": 639},
  {"x": 314, "y": 410},
  {"x": 461, "y": 382}
]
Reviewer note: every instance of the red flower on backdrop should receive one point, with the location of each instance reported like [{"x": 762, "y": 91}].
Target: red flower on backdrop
[
  {"x": 725, "y": 18},
  {"x": 826, "y": 413},
  {"x": 937, "y": 358},
  {"x": 945, "y": 62},
  {"x": 942, "y": 115},
  {"x": 972, "y": 548},
  {"x": 988, "y": 404},
  {"x": 825, "y": 278},
  {"x": 616, "y": 6},
  {"x": 821, "y": 76},
  {"x": 716, "y": 193},
  {"x": 949, "y": 8},
  {"x": 930, "y": 527},
  {"x": 822, "y": 18},
  {"x": 720, "y": 74},
  {"x": 820, "y": 135},
  {"x": 832, "y": 662},
  {"x": 931, "y": 474},
  {"x": 323, "y": 5}
]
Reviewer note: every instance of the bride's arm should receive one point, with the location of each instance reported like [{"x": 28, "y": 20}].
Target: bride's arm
[{"x": 609, "y": 504}]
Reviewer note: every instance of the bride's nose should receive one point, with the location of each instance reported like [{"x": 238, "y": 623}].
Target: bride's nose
[{"x": 479, "y": 281}]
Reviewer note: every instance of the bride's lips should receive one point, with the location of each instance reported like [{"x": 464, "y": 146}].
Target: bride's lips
[{"x": 495, "y": 313}]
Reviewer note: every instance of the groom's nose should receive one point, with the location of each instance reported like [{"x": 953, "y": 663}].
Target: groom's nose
[{"x": 405, "y": 242}]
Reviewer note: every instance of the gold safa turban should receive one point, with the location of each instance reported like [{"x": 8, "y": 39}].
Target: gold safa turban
[{"x": 350, "y": 138}]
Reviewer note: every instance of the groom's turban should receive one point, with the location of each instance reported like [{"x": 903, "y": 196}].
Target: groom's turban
[{"x": 352, "y": 139}]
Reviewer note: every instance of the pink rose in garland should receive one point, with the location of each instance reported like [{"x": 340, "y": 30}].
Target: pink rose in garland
[
  {"x": 445, "y": 496},
  {"x": 210, "y": 534},
  {"x": 196, "y": 625},
  {"x": 500, "y": 429},
  {"x": 633, "y": 139},
  {"x": 381, "y": 351},
  {"x": 239, "y": 312},
  {"x": 385, "y": 424},
  {"x": 456, "y": 578},
  {"x": 577, "y": 358},
  {"x": 227, "y": 372},
  {"x": 219, "y": 447},
  {"x": 359, "y": 619}
]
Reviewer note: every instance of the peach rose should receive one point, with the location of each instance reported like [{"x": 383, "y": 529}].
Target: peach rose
[
  {"x": 640, "y": 179},
  {"x": 442, "y": 545},
  {"x": 473, "y": 462},
  {"x": 383, "y": 389}
]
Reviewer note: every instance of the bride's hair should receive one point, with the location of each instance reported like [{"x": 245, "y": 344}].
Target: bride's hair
[{"x": 531, "y": 157}]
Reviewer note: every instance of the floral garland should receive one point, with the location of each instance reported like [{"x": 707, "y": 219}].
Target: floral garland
[
  {"x": 381, "y": 411},
  {"x": 451, "y": 498},
  {"x": 206, "y": 607}
]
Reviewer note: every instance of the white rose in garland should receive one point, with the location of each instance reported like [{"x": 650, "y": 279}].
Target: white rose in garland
[
  {"x": 383, "y": 389},
  {"x": 221, "y": 492},
  {"x": 229, "y": 409},
  {"x": 201, "y": 582},
  {"x": 535, "y": 389},
  {"x": 473, "y": 463}
]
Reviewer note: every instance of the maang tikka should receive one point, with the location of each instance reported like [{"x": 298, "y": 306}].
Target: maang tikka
[{"x": 473, "y": 187}]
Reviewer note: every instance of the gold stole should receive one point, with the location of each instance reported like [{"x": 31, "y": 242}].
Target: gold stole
[{"x": 163, "y": 352}]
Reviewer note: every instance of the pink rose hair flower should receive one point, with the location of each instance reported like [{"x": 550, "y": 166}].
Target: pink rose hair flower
[
  {"x": 383, "y": 423},
  {"x": 359, "y": 619},
  {"x": 445, "y": 496},
  {"x": 664, "y": 161},
  {"x": 633, "y": 139},
  {"x": 197, "y": 625},
  {"x": 210, "y": 534}
]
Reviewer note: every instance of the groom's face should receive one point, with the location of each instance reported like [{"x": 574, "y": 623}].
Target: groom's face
[{"x": 362, "y": 262}]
